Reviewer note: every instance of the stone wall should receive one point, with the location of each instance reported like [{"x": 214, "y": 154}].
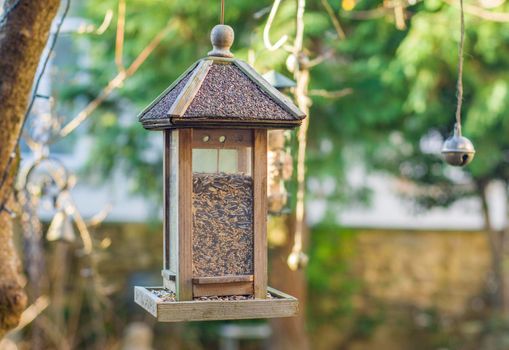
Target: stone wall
[
  {"x": 443, "y": 270},
  {"x": 398, "y": 289},
  {"x": 368, "y": 289}
]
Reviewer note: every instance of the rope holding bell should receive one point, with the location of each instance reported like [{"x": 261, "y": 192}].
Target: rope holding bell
[{"x": 457, "y": 149}]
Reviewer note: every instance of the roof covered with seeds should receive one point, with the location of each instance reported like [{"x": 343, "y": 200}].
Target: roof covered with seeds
[{"x": 220, "y": 91}]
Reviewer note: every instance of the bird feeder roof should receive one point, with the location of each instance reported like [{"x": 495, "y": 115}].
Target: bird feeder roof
[{"x": 223, "y": 92}]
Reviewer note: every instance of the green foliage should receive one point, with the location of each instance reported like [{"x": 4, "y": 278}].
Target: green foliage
[
  {"x": 404, "y": 96},
  {"x": 401, "y": 108},
  {"x": 119, "y": 142},
  {"x": 404, "y": 85},
  {"x": 330, "y": 276}
]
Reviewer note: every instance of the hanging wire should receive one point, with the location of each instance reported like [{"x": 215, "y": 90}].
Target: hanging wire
[
  {"x": 12, "y": 155},
  {"x": 459, "y": 93},
  {"x": 119, "y": 41},
  {"x": 221, "y": 19}
]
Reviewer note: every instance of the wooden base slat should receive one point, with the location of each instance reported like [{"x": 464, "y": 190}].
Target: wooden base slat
[
  {"x": 283, "y": 305},
  {"x": 223, "y": 279},
  {"x": 230, "y": 288}
]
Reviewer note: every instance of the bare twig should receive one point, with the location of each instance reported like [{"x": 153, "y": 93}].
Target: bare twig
[
  {"x": 302, "y": 78},
  {"x": 87, "y": 28},
  {"x": 34, "y": 310},
  {"x": 116, "y": 82},
  {"x": 331, "y": 94},
  {"x": 268, "y": 25},
  {"x": 368, "y": 14},
  {"x": 119, "y": 42},
  {"x": 399, "y": 17},
  {"x": 319, "y": 59},
  {"x": 53, "y": 332},
  {"x": 335, "y": 21},
  {"x": 86, "y": 237},
  {"x": 299, "y": 28},
  {"x": 482, "y": 13},
  {"x": 108, "y": 16},
  {"x": 98, "y": 218}
]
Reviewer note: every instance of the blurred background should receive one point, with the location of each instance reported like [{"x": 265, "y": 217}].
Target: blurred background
[{"x": 397, "y": 250}]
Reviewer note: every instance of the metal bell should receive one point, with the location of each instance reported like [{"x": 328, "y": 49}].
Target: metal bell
[
  {"x": 458, "y": 150},
  {"x": 61, "y": 228}
]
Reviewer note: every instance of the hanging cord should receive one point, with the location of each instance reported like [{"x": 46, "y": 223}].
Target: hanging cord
[
  {"x": 297, "y": 258},
  {"x": 12, "y": 155},
  {"x": 459, "y": 93},
  {"x": 221, "y": 19}
]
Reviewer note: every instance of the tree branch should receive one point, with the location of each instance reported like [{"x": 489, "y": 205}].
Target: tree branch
[
  {"x": 331, "y": 94},
  {"x": 23, "y": 36},
  {"x": 335, "y": 21},
  {"x": 502, "y": 17},
  {"x": 114, "y": 83}
]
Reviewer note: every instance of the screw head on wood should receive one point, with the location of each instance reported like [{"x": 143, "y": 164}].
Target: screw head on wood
[{"x": 222, "y": 37}]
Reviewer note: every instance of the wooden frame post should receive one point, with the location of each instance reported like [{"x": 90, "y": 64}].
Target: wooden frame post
[
  {"x": 166, "y": 199},
  {"x": 259, "y": 169},
  {"x": 185, "y": 220}
]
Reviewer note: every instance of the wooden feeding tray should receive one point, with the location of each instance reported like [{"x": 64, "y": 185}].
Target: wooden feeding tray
[{"x": 152, "y": 299}]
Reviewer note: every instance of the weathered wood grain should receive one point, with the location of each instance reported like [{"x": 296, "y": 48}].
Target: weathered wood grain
[
  {"x": 166, "y": 199},
  {"x": 281, "y": 305},
  {"x": 146, "y": 300},
  {"x": 185, "y": 239},
  {"x": 173, "y": 200},
  {"x": 223, "y": 279},
  {"x": 219, "y": 289},
  {"x": 234, "y": 138},
  {"x": 260, "y": 212},
  {"x": 189, "y": 91}
]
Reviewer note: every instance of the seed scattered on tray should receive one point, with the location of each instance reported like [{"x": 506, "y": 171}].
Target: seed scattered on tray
[
  {"x": 164, "y": 294},
  {"x": 222, "y": 224},
  {"x": 230, "y": 297},
  {"x": 169, "y": 296}
]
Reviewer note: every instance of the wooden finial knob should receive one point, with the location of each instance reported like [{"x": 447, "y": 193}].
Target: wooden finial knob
[{"x": 222, "y": 39}]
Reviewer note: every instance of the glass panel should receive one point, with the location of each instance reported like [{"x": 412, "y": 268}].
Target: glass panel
[
  {"x": 222, "y": 204},
  {"x": 205, "y": 160},
  {"x": 228, "y": 160}
]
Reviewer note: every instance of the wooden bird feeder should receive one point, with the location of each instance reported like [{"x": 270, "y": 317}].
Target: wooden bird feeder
[{"x": 215, "y": 119}]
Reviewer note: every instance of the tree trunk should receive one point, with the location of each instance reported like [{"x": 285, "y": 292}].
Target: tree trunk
[
  {"x": 289, "y": 333},
  {"x": 23, "y": 36},
  {"x": 496, "y": 278},
  {"x": 505, "y": 256}
]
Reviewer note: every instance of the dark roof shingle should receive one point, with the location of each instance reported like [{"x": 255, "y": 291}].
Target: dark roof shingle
[{"x": 219, "y": 91}]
